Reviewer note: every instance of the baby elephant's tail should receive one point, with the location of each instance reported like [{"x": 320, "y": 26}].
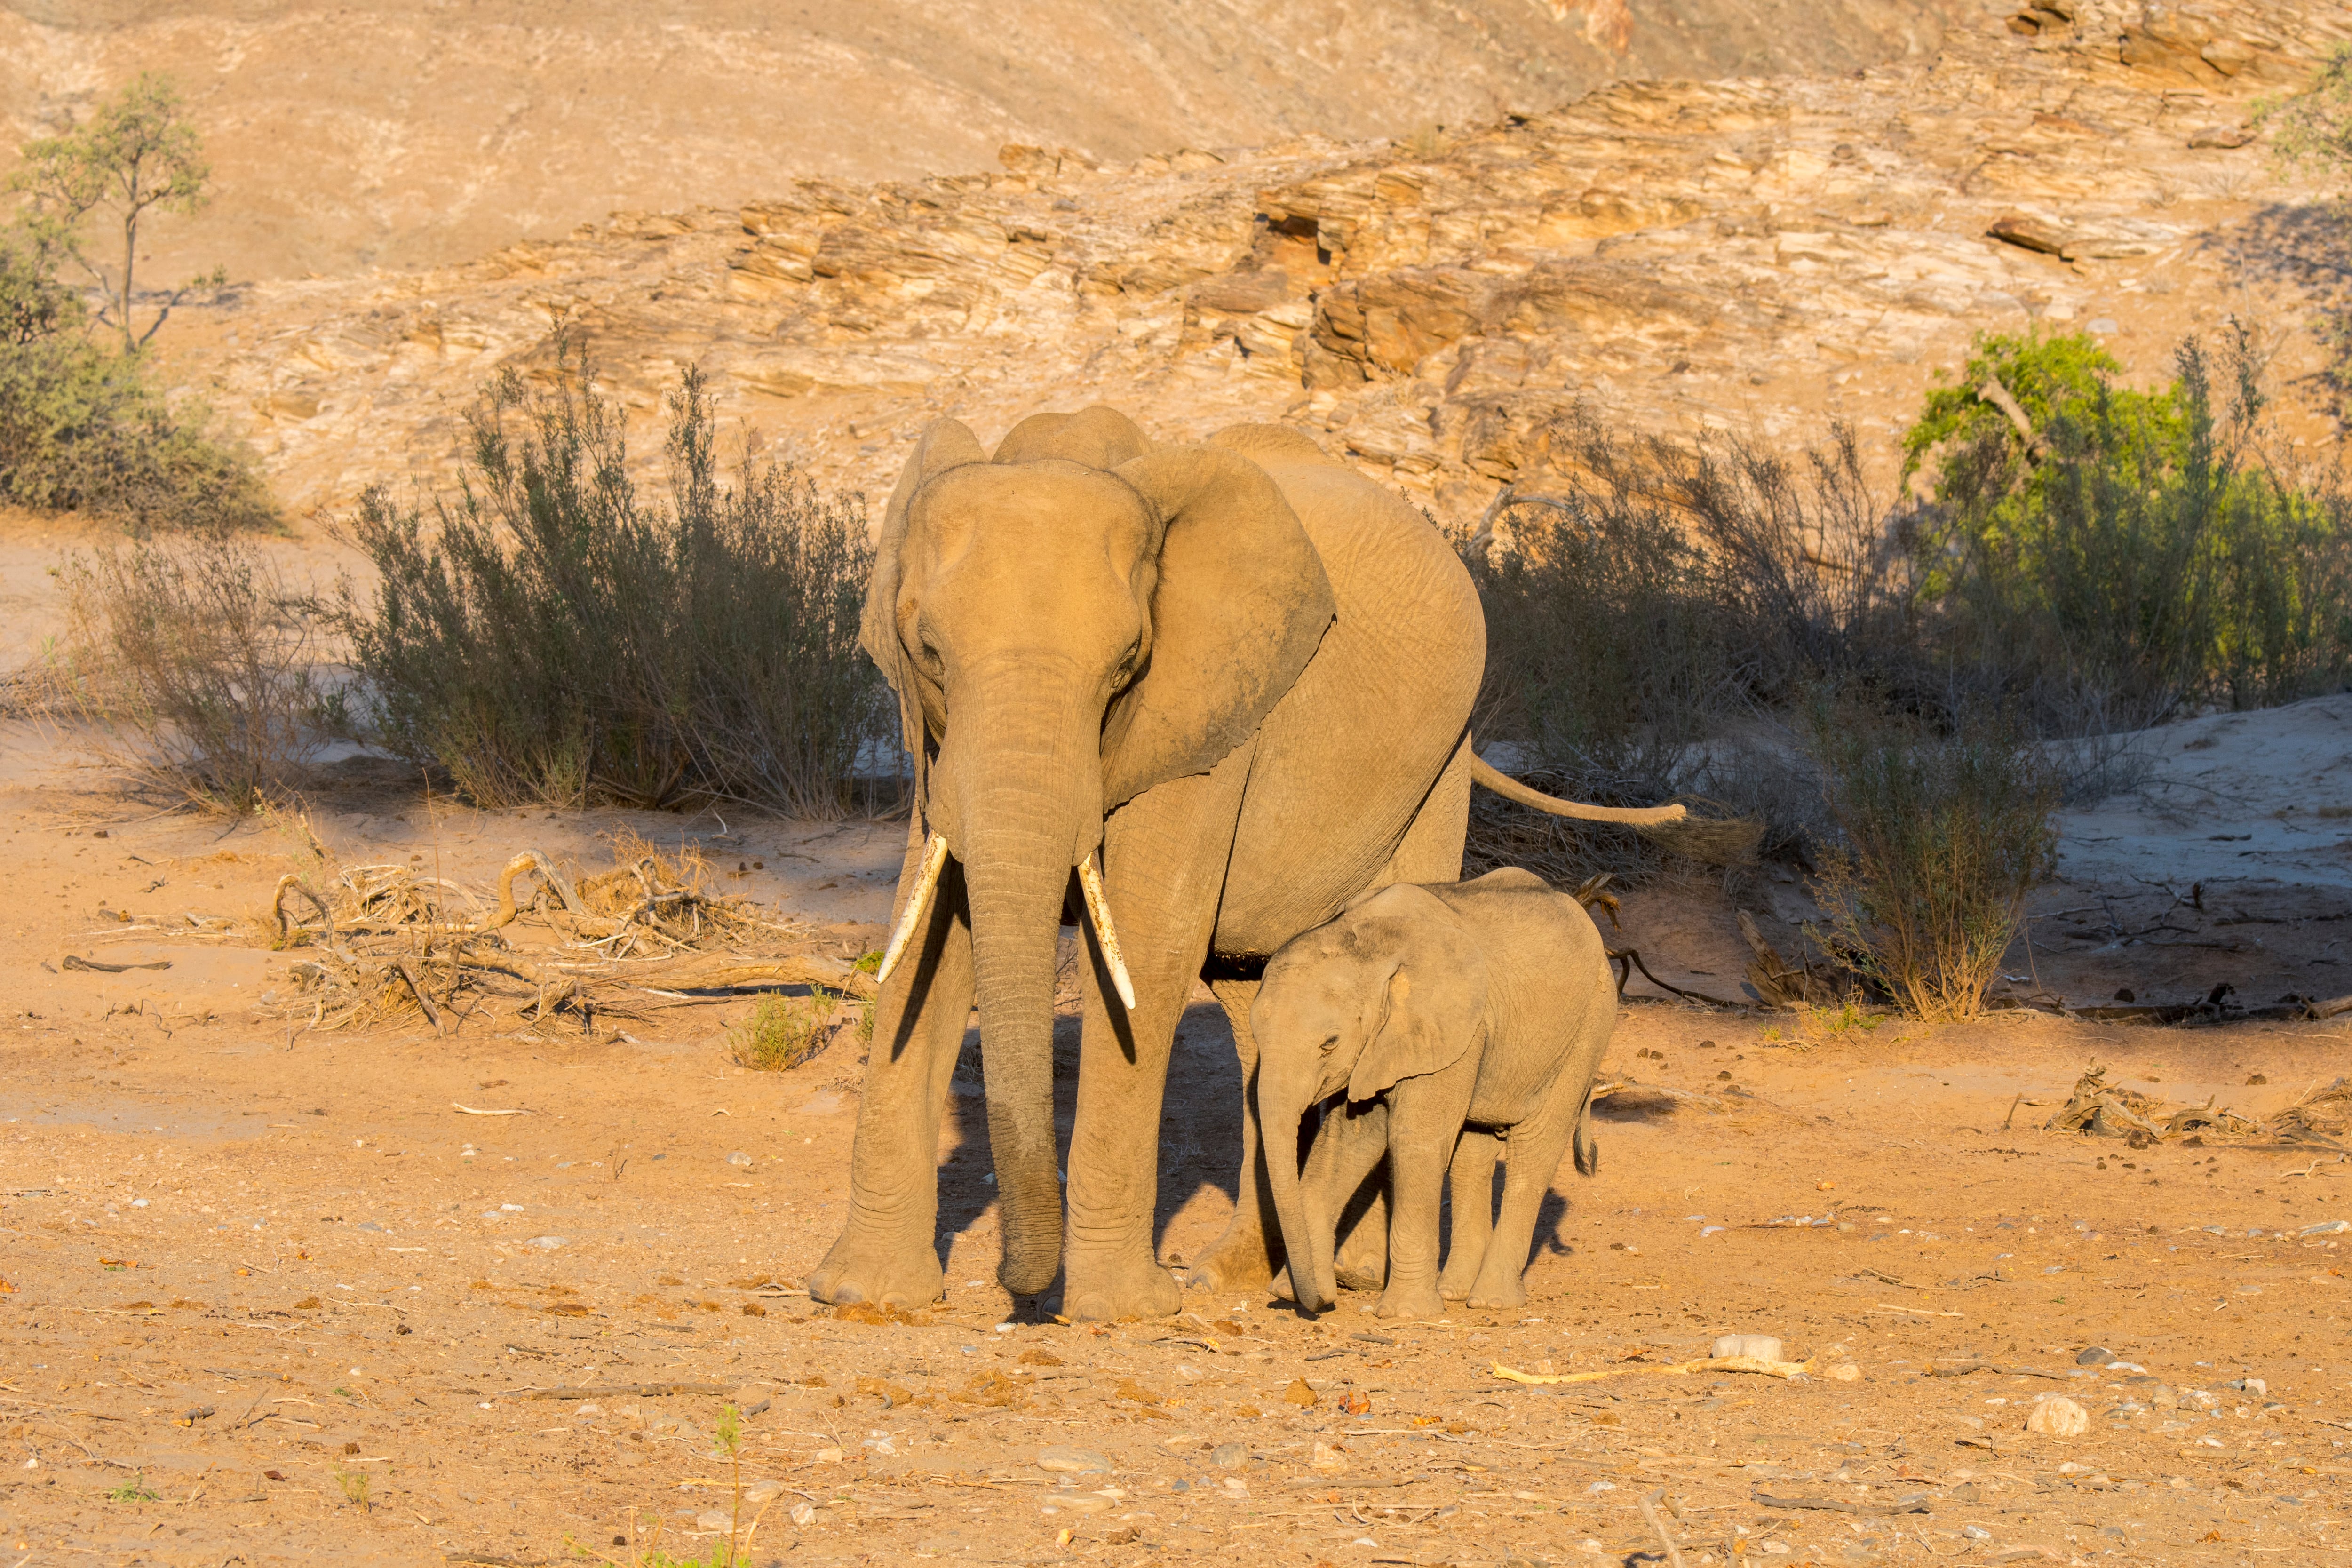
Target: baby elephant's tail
[{"x": 1588, "y": 1153}]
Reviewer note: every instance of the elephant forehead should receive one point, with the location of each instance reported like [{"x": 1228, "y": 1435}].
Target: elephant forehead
[{"x": 1062, "y": 496}]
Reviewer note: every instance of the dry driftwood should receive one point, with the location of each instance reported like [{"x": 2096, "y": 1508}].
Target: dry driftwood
[
  {"x": 2100, "y": 1109},
  {"x": 383, "y": 941}
]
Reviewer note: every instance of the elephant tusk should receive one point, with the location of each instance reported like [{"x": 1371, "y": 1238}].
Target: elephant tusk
[
  {"x": 1098, "y": 910},
  {"x": 927, "y": 882}
]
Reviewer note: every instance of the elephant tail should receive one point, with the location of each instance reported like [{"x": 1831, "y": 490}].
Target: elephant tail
[
  {"x": 1509, "y": 788},
  {"x": 1588, "y": 1153},
  {"x": 1723, "y": 841}
]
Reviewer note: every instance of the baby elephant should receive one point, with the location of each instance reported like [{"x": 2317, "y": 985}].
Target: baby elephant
[{"x": 1457, "y": 1019}]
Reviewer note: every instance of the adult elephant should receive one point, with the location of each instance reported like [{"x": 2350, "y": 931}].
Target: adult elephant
[{"x": 1208, "y": 694}]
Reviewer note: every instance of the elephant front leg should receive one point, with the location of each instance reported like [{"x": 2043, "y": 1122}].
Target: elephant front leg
[
  {"x": 1163, "y": 868},
  {"x": 887, "y": 1252},
  {"x": 1425, "y": 1117}
]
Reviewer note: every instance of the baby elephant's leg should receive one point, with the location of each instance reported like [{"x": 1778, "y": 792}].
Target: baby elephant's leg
[
  {"x": 1424, "y": 1119},
  {"x": 1536, "y": 1147},
  {"x": 1471, "y": 1185}
]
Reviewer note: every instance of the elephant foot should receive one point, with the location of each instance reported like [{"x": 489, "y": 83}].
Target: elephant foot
[
  {"x": 1410, "y": 1303},
  {"x": 868, "y": 1266},
  {"x": 1503, "y": 1293},
  {"x": 1454, "y": 1287},
  {"x": 1365, "y": 1270},
  {"x": 1280, "y": 1290},
  {"x": 1108, "y": 1291},
  {"x": 1239, "y": 1261}
]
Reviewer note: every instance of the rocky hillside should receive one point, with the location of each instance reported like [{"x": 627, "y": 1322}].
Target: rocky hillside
[
  {"x": 407, "y": 132},
  {"x": 1761, "y": 255}
]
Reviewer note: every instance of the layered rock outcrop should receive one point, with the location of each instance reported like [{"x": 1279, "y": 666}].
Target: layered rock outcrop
[{"x": 1759, "y": 255}]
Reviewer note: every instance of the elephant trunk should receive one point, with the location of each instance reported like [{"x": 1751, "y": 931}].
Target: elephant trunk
[
  {"x": 1305, "y": 1228},
  {"x": 1026, "y": 795}
]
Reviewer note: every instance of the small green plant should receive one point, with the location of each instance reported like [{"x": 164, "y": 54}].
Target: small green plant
[
  {"x": 1940, "y": 837},
  {"x": 133, "y": 1490},
  {"x": 783, "y": 1033},
  {"x": 355, "y": 1485},
  {"x": 733, "y": 1552}
]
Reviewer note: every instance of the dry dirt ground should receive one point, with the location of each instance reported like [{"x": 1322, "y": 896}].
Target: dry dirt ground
[{"x": 271, "y": 1294}]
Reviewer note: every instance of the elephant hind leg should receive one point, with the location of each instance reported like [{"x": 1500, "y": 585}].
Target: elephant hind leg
[
  {"x": 1244, "y": 1256},
  {"x": 1470, "y": 1188},
  {"x": 1537, "y": 1148}
]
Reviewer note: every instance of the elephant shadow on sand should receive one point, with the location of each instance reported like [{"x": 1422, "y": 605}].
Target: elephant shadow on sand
[{"x": 1199, "y": 1131}]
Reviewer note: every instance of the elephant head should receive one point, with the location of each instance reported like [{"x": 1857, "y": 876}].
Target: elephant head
[
  {"x": 1393, "y": 989},
  {"x": 1066, "y": 625}
]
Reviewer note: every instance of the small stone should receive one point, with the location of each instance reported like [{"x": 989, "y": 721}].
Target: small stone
[
  {"x": 1757, "y": 1347},
  {"x": 1080, "y": 1461},
  {"x": 710, "y": 1519},
  {"x": 1329, "y": 1459},
  {"x": 1298, "y": 1393},
  {"x": 752, "y": 1398},
  {"x": 2059, "y": 1418},
  {"x": 828, "y": 1455},
  {"x": 1975, "y": 1532},
  {"x": 588, "y": 1408},
  {"x": 1076, "y": 1503},
  {"x": 802, "y": 1513},
  {"x": 548, "y": 1242},
  {"x": 2096, "y": 1355},
  {"x": 1842, "y": 1372},
  {"x": 762, "y": 1491},
  {"x": 2327, "y": 1227},
  {"x": 739, "y": 1158},
  {"x": 1182, "y": 1442},
  {"x": 1229, "y": 1456}
]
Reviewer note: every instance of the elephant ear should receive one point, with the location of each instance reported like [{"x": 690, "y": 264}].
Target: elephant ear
[
  {"x": 1099, "y": 437},
  {"x": 1239, "y": 607},
  {"x": 1435, "y": 1004},
  {"x": 944, "y": 444}
]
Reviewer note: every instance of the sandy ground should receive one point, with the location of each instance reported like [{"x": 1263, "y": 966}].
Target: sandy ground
[{"x": 269, "y": 1293}]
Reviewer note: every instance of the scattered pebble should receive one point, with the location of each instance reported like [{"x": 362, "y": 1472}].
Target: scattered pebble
[
  {"x": 1761, "y": 1347},
  {"x": 1083, "y": 1461},
  {"x": 547, "y": 1243},
  {"x": 1229, "y": 1456},
  {"x": 2095, "y": 1355},
  {"x": 2058, "y": 1417},
  {"x": 739, "y": 1158}
]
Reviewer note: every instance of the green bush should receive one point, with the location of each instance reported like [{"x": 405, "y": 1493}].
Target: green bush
[
  {"x": 1940, "y": 834},
  {"x": 84, "y": 428},
  {"x": 546, "y": 636},
  {"x": 2132, "y": 548}
]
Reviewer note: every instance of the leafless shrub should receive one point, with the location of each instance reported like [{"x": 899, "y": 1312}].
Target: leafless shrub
[{"x": 196, "y": 666}]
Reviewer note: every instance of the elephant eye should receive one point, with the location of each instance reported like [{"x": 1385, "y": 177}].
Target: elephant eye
[{"x": 1330, "y": 1044}]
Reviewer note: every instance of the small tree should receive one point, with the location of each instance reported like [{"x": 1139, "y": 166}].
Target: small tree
[{"x": 135, "y": 154}]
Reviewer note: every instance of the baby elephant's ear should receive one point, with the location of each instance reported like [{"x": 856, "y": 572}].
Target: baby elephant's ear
[{"x": 1433, "y": 1010}]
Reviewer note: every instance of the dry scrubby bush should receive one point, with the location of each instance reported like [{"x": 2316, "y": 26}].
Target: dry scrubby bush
[
  {"x": 1940, "y": 837},
  {"x": 546, "y": 636},
  {"x": 196, "y": 666},
  {"x": 2100, "y": 559}
]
